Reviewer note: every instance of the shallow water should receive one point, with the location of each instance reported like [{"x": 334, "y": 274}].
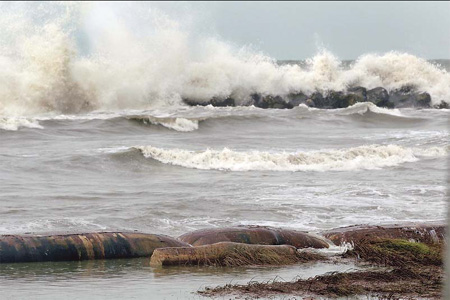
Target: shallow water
[{"x": 135, "y": 279}]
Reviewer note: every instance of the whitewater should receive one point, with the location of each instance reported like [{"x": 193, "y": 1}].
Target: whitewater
[
  {"x": 363, "y": 157},
  {"x": 95, "y": 135}
]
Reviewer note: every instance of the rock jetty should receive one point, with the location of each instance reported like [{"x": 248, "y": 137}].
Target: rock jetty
[{"x": 404, "y": 97}]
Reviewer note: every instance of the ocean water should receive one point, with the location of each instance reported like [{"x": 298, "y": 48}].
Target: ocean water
[
  {"x": 180, "y": 169},
  {"x": 104, "y": 142}
]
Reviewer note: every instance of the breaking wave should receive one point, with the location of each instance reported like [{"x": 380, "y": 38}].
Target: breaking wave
[
  {"x": 365, "y": 107},
  {"x": 357, "y": 158},
  {"x": 71, "y": 58},
  {"x": 177, "y": 124},
  {"x": 14, "y": 123}
]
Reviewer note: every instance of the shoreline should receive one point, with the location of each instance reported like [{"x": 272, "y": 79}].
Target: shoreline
[{"x": 407, "y": 257}]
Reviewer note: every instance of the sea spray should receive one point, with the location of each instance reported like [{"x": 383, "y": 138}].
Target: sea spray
[{"x": 68, "y": 58}]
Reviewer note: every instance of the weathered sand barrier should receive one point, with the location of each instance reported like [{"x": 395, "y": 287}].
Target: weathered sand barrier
[
  {"x": 254, "y": 235},
  {"x": 110, "y": 245},
  {"x": 230, "y": 254},
  {"x": 425, "y": 233},
  {"x": 65, "y": 247}
]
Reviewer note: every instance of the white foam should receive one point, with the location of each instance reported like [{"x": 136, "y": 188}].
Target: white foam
[
  {"x": 14, "y": 123},
  {"x": 347, "y": 159},
  {"x": 432, "y": 151},
  {"x": 332, "y": 250},
  {"x": 113, "y": 150},
  {"x": 150, "y": 60},
  {"x": 364, "y": 107},
  {"x": 48, "y": 225}
]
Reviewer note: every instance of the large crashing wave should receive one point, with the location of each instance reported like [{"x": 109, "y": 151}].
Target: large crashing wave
[
  {"x": 357, "y": 158},
  {"x": 71, "y": 58}
]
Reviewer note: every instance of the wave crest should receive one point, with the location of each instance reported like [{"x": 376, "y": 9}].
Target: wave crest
[{"x": 364, "y": 107}]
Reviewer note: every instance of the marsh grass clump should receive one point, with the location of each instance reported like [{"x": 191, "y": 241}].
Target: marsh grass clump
[
  {"x": 398, "y": 252},
  {"x": 244, "y": 257},
  {"x": 229, "y": 254}
]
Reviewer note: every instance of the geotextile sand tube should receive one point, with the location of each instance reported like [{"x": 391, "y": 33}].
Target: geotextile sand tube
[
  {"x": 85, "y": 246},
  {"x": 425, "y": 233},
  {"x": 254, "y": 235}
]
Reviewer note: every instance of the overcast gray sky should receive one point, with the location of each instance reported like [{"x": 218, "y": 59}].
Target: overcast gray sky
[{"x": 294, "y": 30}]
